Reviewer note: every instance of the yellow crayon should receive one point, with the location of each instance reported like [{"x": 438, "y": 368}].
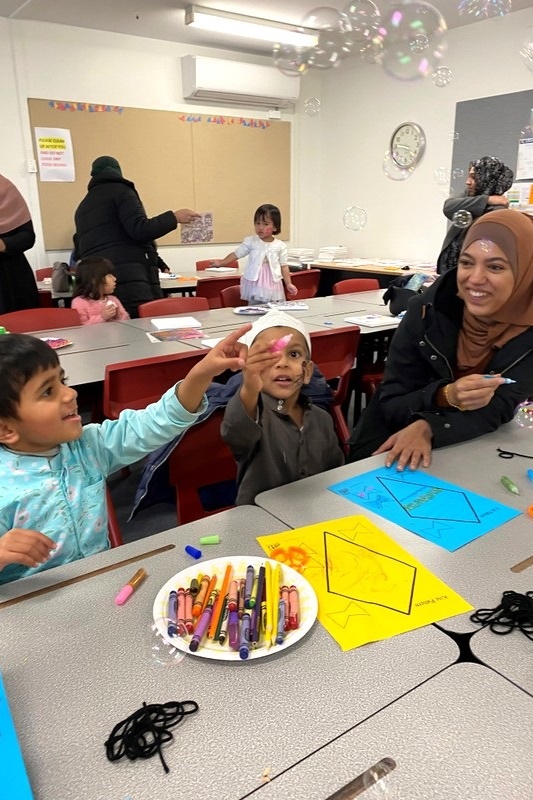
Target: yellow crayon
[
  {"x": 268, "y": 592},
  {"x": 276, "y": 580}
]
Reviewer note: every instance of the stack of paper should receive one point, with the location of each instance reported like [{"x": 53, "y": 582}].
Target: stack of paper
[
  {"x": 290, "y": 305},
  {"x": 373, "y": 320},
  {"x": 332, "y": 253},
  {"x": 220, "y": 270},
  {"x": 169, "y": 323},
  {"x": 300, "y": 255}
]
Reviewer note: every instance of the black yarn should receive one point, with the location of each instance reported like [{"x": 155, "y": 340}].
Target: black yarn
[
  {"x": 142, "y": 734},
  {"x": 514, "y": 611}
]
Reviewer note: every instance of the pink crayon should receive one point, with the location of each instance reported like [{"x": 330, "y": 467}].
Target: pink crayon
[{"x": 280, "y": 345}]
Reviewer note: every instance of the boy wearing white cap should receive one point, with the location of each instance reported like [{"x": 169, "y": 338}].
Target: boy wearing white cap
[{"x": 275, "y": 434}]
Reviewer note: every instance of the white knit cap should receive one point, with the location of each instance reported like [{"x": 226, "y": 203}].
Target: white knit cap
[{"x": 273, "y": 319}]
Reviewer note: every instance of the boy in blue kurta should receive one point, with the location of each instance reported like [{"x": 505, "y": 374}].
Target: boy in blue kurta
[{"x": 53, "y": 470}]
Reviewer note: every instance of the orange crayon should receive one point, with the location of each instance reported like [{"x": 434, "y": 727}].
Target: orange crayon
[
  {"x": 200, "y": 597},
  {"x": 217, "y": 610},
  {"x": 189, "y": 623}
]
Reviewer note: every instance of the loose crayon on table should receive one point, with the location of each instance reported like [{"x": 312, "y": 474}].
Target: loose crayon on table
[
  {"x": 233, "y": 602},
  {"x": 509, "y": 485},
  {"x": 276, "y": 581},
  {"x": 189, "y": 622},
  {"x": 194, "y": 588},
  {"x": 181, "y": 612},
  {"x": 200, "y": 629},
  {"x": 240, "y": 607},
  {"x": 244, "y": 641},
  {"x": 128, "y": 589},
  {"x": 222, "y": 632},
  {"x": 294, "y": 608},
  {"x": 222, "y": 599},
  {"x": 268, "y": 582},
  {"x": 280, "y": 633},
  {"x": 285, "y": 597},
  {"x": 214, "y": 539},
  {"x": 233, "y": 630},
  {"x": 193, "y": 551},
  {"x": 172, "y": 628},
  {"x": 200, "y": 596},
  {"x": 249, "y": 585}
]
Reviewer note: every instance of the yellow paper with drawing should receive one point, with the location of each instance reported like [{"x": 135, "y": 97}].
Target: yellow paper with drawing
[{"x": 368, "y": 587}]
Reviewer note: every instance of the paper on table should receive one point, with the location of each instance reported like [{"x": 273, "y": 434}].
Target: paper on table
[
  {"x": 12, "y": 767},
  {"x": 368, "y": 587},
  {"x": 373, "y": 320},
  {"x": 210, "y": 342},
  {"x": 221, "y": 269},
  {"x": 168, "y": 323}
]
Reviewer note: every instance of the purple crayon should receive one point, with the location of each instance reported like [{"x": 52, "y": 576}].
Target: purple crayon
[
  {"x": 172, "y": 628},
  {"x": 280, "y": 344},
  {"x": 280, "y": 635},
  {"x": 233, "y": 630},
  {"x": 244, "y": 644},
  {"x": 200, "y": 630}
]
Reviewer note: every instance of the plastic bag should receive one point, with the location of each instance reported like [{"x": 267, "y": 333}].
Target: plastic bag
[
  {"x": 61, "y": 275},
  {"x": 398, "y": 294}
]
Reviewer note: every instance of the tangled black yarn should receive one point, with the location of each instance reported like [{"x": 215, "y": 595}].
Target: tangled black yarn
[
  {"x": 143, "y": 733},
  {"x": 514, "y": 611}
]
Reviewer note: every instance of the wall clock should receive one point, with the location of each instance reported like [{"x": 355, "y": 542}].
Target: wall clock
[{"x": 407, "y": 145}]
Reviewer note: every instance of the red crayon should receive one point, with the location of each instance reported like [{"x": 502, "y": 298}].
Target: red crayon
[
  {"x": 189, "y": 622},
  {"x": 294, "y": 608},
  {"x": 284, "y": 592},
  {"x": 233, "y": 602}
]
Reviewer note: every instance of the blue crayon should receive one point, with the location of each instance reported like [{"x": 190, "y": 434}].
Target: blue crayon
[
  {"x": 172, "y": 613},
  {"x": 244, "y": 648},
  {"x": 280, "y": 635}
]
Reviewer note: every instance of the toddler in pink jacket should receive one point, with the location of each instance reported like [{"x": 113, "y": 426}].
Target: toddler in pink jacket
[{"x": 93, "y": 296}]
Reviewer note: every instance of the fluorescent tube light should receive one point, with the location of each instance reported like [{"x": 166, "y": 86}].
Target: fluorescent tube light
[{"x": 208, "y": 19}]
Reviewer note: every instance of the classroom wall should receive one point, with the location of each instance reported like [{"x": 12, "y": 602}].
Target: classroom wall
[{"x": 336, "y": 155}]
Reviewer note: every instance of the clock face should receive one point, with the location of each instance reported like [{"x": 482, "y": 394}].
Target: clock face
[{"x": 407, "y": 145}]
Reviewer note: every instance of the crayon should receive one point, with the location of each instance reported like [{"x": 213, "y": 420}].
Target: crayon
[
  {"x": 130, "y": 587},
  {"x": 200, "y": 597},
  {"x": 509, "y": 485},
  {"x": 285, "y": 598},
  {"x": 249, "y": 585},
  {"x": 294, "y": 608},
  {"x": 244, "y": 641},
  {"x": 280, "y": 633},
  {"x": 269, "y": 614},
  {"x": 172, "y": 629},
  {"x": 233, "y": 630},
  {"x": 222, "y": 632},
  {"x": 218, "y": 609},
  {"x": 200, "y": 630},
  {"x": 263, "y": 624},
  {"x": 529, "y": 474},
  {"x": 194, "y": 588},
  {"x": 233, "y": 596},
  {"x": 260, "y": 590},
  {"x": 189, "y": 622},
  {"x": 253, "y": 596},
  {"x": 241, "y": 598},
  {"x": 181, "y": 612},
  {"x": 209, "y": 592},
  {"x": 276, "y": 580}
]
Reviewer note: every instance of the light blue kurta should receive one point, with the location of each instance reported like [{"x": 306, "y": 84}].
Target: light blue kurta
[{"x": 63, "y": 496}]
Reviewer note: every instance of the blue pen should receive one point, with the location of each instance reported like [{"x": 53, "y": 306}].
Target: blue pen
[
  {"x": 505, "y": 380},
  {"x": 529, "y": 474}
]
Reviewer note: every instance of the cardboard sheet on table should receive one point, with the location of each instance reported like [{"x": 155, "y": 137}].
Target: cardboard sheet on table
[
  {"x": 441, "y": 512},
  {"x": 168, "y": 323},
  {"x": 368, "y": 587},
  {"x": 15, "y": 781}
]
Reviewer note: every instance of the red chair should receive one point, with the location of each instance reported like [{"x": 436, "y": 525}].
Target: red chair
[
  {"x": 136, "y": 384},
  {"x": 208, "y": 263},
  {"x": 43, "y": 272},
  {"x": 306, "y": 281},
  {"x": 173, "y": 305},
  {"x": 39, "y": 319},
  {"x": 370, "y": 368},
  {"x": 334, "y": 353},
  {"x": 203, "y": 471},
  {"x": 210, "y": 288},
  {"x": 113, "y": 528},
  {"x": 230, "y": 297},
  {"x": 355, "y": 285}
]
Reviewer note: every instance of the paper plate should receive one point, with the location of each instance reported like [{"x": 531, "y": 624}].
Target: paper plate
[
  {"x": 217, "y": 566},
  {"x": 250, "y": 310}
]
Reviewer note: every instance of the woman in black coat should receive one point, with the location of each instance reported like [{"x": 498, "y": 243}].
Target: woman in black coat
[
  {"x": 18, "y": 289},
  {"x": 112, "y": 223}
]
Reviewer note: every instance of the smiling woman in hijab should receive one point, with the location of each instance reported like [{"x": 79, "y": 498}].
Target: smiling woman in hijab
[
  {"x": 112, "y": 223},
  {"x": 446, "y": 375},
  {"x": 487, "y": 180},
  {"x": 18, "y": 289}
]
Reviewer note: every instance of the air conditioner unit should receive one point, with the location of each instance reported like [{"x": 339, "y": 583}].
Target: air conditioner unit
[{"x": 213, "y": 80}]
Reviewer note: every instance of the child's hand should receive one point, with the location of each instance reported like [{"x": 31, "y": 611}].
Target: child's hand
[
  {"x": 109, "y": 311},
  {"x": 260, "y": 358},
  {"x": 27, "y": 547},
  {"x": 215, "y": 263},
  {"x": 291, "y": 289}
]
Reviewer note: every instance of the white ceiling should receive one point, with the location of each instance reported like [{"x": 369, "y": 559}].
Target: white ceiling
[{"x": 164, "y": 19}]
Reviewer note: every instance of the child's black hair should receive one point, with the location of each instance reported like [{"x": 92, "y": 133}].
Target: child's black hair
[
  {"x": 268, "y": 210},
  {"x": 21, "y": 357},
  {"x": 90, "y": 275}
]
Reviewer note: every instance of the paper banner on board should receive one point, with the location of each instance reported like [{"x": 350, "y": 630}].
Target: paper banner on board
[
  {"x": 441, "y": 512},
  {"x": 368, "y": 587},
  {"x": 55, "y": 155}
]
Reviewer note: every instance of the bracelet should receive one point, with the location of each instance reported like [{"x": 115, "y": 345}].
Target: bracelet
[{"x": 458, "y": 406}]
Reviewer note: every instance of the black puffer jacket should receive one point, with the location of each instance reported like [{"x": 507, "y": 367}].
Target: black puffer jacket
[
  {"x": 422, "y": 357},
  {"x": 111, "y": 222}
]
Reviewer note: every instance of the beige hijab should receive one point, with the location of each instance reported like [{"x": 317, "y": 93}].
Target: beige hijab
[
  {"x": 13, "y": 209},
  {"x": 512, "y": 231}
]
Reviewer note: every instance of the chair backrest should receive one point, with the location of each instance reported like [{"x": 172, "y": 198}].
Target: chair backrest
[
  {"x": 334, "y": 353},
  {"x": 208, "y": 262},
  {"x": 113, "y": 527},
  {"x": 231, "y": 297},
  {"x": 39, "y": 319},
  {"x": 136, "y": 384},
  {"x": 211, "y": 288},
  {"x": 306, "y": 281},
  {"x": 203, "y": 471},
  {"x": 43, "y": 272},
  {"x": 172, "y": 305},
  {"x": 355, "y": 285}
]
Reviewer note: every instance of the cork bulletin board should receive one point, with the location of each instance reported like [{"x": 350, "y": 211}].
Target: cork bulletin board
[{"x": 224, "y": 165}]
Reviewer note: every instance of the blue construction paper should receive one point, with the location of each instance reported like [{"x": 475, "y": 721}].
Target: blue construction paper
[
  {"x": 13, "y": 777},
  {"x": 441, "y": 512}
]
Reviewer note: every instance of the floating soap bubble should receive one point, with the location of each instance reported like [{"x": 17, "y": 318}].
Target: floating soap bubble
[
  {"x": 393, "y": 171},
  {"x": 524, "y": 414},
  {"x": 333, "y": 28},
  {"x": 354, "y": 218},
  {"x": 462, "y": 219},
  {"x": 441, "y": 176},
  {"x": 312, "y": 106},
  {"x": 526, "y": 53},
  {"x": 454, "y": 135},
  {"x": 372, "y": 51},
  {"x": 163, "y": 653},
  {"x": 442, "y": 76},
  {"x": 363, "y": 19},
  {"x": 402, "y": 31},
  {"x": 458, "y": 174},
  {"x": 485, "y": 8},
  {"x": 290, "y": 60}
]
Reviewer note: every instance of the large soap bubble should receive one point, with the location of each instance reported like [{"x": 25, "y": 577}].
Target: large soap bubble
[
  {"x": 354, "y": 218},
  {"x": 524, "y": 414},
  {"x": 442, "y": 176},
  {"x": 312, "y": 106},
  {"x": 363, "y": 20},
  {"x": 291, "y": 60},
  {"x": 462, "y": 218},
  {"x": 393, "y": 171},
  {"x": 442, "y": 76},
  {"x": 485, "y": 8},
  {"x": 404, "y": 31},
  {"x": 526, "y": 53},
  {"x": 332, "y": 27}
]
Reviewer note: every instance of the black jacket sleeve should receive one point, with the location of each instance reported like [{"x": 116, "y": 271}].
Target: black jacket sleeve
[
  {"x": 137, "y": 225},
  {"x": 19, "y": 239}
]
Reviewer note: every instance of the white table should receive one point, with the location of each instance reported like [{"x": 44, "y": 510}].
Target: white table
[
  {"x": 74, "y": 665},
  {"x": 462, "y": 735}
]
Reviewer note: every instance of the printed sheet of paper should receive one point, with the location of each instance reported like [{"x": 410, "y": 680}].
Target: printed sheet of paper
[
  {"x": 15, "y": 781},
  {"x": 368, "y": 587},
  {"x": 441, "y": 512},
  {"x": 199, "y": 231}
]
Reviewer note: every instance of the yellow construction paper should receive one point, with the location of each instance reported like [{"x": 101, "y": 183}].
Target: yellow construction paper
[{"x": 368, "y": 587}]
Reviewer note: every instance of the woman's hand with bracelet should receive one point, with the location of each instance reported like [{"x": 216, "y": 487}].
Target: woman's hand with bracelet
[{"x": 471, "y": 392}]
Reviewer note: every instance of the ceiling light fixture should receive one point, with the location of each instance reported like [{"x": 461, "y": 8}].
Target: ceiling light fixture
[{"x": 208, "y": 19}]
